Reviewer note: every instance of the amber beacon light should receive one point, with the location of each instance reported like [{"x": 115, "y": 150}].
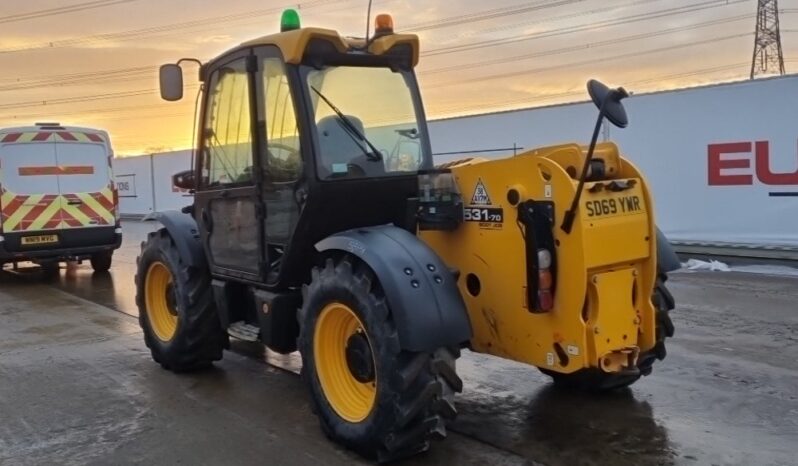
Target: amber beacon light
[{"x": 383, "y": 24}]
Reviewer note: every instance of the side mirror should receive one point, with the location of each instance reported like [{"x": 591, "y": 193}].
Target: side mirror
[
  {"x": 609, "y": 101},
  {"x": 610, "y": 107},
  {"x": 184, "y": 180},
  {"x": 171, "y": 80}
]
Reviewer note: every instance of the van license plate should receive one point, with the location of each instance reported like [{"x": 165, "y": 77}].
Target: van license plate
[{"x": 41, "y": 239}]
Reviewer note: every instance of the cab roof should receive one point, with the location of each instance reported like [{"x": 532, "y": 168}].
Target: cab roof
[{"x": 293, "y": 43}]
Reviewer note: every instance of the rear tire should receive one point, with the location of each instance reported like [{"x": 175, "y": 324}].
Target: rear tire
[
  {"x": 176, "y": 308},
  {"x": 596, "y": 380},
  {"x": 389, "y": 407},
  {"x": 101, "y": 262}
]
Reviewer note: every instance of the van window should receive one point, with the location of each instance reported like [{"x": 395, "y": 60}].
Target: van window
[
  {"x": 84, "y": 167},
  {"x": 17, "y": 160}
]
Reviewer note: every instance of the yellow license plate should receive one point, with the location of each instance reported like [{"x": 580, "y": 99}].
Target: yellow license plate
[
  {"x": 41, "y": 239},
  {"x": 614, "y": 205}
]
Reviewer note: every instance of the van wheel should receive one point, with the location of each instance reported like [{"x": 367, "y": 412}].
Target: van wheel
[
  {"x": 50, "y": 269},
  {"x": 101, "y": 262}
]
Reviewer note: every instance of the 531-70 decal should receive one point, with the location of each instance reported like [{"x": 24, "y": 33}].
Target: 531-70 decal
[
  {"x": 483, "y": 214},
  {"x": 488, "y": 218}
]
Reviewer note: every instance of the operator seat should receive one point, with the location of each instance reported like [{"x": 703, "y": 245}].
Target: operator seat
[{"x": 340, "y": 154}]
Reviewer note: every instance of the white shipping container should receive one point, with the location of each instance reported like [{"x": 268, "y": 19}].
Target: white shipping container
[
  {"x": 168, "y": 196},
  {"x": 721, "y": 159},
  {"x": 133, "y": 177}
]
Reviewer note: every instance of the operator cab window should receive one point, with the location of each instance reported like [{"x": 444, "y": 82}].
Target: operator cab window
[
  {"x": 227, "y": 133},
  {"x": 376, "y": 132},
  {"x": 283, "y": 165}
]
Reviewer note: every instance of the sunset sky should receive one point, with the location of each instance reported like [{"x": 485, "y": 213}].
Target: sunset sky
[{"x": 94, "y": 62}]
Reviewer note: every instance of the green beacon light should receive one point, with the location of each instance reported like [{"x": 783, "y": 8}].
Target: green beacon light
[{"x": 289, "y": 21}]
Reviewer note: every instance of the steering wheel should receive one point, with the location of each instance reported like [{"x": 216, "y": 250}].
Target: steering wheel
[
  {"x": 355, "y": 170},
  {"x": 284, "y": 147}
]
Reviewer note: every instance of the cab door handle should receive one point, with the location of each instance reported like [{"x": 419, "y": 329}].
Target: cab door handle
[{"x": 207, "y": 222}]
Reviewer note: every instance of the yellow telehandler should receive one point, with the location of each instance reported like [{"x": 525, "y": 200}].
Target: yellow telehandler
[{"x": 320, "y": 224}]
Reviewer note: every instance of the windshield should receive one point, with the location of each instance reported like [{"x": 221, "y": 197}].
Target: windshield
[{"x": 380, "y": 114}]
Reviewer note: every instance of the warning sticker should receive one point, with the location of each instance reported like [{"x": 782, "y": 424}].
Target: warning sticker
[{"x": 480, "y": 196}]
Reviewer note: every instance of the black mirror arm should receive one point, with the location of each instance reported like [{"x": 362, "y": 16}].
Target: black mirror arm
[
  {"x": 193, "y": 60},
  {"x": 617, "y": 116},
  {"x": 568, "y": 219},
  {"x": 570, "y": 214}
]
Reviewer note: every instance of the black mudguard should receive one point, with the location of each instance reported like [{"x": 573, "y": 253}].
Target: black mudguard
[
  {"x": 667, "y": 260},
  {"x": 184, "y": 232},
  {"x": 422, "y": 293}
]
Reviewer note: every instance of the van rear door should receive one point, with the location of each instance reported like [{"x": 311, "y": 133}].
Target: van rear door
[
  {"x": 28, "y": 183},
  {"x": 84, "y": 180}
]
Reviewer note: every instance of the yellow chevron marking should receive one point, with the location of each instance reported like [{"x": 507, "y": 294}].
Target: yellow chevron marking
[
  {"x": 74, "y": 211},
  {"x": 7, "y": 197},
  {"x": 46, "y": 215},
  {"x": 99, "y": 209},
  {"x": 14, "y": 220},
  {"x": 4, "y": 200}
]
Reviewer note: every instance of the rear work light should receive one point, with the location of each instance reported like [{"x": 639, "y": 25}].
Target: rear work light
[
  {"x": 537, "y": 219},
  {"x": 545, "y": 281}
]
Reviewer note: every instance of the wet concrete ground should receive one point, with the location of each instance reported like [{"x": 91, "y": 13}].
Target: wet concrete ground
[{"x": 77, "y": 386}]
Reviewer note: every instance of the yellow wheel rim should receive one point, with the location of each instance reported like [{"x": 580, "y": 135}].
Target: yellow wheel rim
[
  {"x": 351, "y": 399},
  {"x": 161, "y": 311}
]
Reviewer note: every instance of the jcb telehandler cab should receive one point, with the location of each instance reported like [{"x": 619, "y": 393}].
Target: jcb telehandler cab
[{"x": 320, "y": 224}]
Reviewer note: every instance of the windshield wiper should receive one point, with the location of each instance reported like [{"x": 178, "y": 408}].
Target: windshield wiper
[{"x": 351, "y": 129}]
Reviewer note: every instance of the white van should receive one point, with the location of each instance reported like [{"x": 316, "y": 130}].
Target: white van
[{"x": 57, "y": 196}]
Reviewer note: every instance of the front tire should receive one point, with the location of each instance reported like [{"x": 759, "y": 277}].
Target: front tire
[
  {"x": 176, "y": 309},
  {"x": 369, "y": 394}
]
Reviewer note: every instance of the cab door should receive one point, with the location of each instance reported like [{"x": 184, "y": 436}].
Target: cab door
[
  {"x": 283, "y": 188},
  {"x": 227, "y": 206}
]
